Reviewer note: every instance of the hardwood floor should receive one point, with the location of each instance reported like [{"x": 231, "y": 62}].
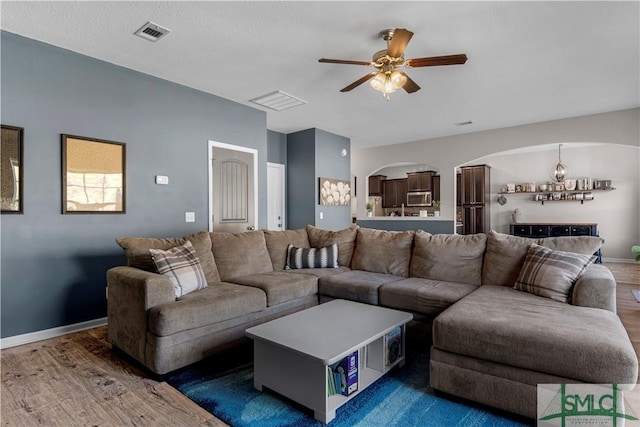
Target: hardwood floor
[{"x": 76, "y": 380}]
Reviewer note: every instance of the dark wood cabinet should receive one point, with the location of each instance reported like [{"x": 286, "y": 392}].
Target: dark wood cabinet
[
  {"x": 419, "y": 181},
  {"x": 475, "y": 188},
  {"x": 375, "y": 185},
  {"x": 533, "y": 230},
  {"x": 458, "y": 189},
  {"x": 473, "y": 219},
  {"x": 394, "y": 193},
  {"x": 435, "y": 185},
  {"x": 475, "y": 181}
]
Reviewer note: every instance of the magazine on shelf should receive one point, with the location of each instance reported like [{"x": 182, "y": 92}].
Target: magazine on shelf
[
  {"x": 342, "y": 377},
  {"x": 392, "y": 346}
]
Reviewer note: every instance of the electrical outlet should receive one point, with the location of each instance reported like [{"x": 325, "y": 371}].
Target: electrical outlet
[
  {"x": 162, "y": 180},
  {"x": 189, "y": 217},
  {"x": 321, "y": 215}
]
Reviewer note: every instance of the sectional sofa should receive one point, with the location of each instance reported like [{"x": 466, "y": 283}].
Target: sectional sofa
[{"x": 492, "y": 341}]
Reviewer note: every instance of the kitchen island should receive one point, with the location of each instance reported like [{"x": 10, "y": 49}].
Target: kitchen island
[{"x": 430, "y": 224}]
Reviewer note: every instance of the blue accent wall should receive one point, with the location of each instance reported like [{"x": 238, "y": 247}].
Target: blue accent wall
[
  {"x": 312, "y": 154},
  {"x": 53, "y": 266},
  {"x": 301, "y": 179},
  {"x": 276, "y": 147}
]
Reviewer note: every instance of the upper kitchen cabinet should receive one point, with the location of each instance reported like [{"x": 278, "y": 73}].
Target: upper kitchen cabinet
[
  {"x": 395, "y": 193},
  {"x": 458, "y": 189},
  {"x": 475, "y": 182},
  {"x": 420, "y": 181},
  {"x": 375, "y": 185},
  {"x": 435, "y": 185}
]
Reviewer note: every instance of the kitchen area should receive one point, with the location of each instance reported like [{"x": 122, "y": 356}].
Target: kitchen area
[{"x": 408, "y": 198}]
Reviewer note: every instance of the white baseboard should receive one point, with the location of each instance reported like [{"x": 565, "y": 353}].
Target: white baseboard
[
  {"x": 621, "y": 260},
  {"x": 50, "y": 333}
]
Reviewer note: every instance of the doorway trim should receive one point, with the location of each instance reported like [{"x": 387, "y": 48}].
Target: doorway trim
[
  {"x": 215, "y": 144},
  {"x": 282, "y": 169}
]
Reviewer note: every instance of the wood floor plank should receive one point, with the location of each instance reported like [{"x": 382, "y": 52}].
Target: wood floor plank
[{"x": 77, "y": 380}]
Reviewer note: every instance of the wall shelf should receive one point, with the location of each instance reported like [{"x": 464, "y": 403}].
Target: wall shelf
[{"x": 565, "y": 196}]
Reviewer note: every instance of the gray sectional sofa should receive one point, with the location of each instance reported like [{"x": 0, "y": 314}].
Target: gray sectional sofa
[{"x": 491, "y": 342}]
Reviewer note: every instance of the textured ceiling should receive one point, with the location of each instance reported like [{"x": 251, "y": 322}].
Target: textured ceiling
[{"x": 528, "y": 61}]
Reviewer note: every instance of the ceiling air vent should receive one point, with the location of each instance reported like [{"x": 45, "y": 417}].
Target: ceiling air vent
[
  {"x": 152, "y": 32},
  {"x": 278, "y": 101}
]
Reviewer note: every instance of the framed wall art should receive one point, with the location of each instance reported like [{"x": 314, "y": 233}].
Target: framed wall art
[
  {"x": 12, "y": 169},
  {"x": 93, "y": 175},
  {"x": 334, "y": 192}
]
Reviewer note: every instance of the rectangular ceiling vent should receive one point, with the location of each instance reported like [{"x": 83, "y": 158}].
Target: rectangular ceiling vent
[
  {"x": 152, "y": 32},
  {"x": 278, "y": 101}
]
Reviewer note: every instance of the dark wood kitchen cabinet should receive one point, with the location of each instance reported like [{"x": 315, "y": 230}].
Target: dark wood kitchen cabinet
[
  {"x": 458, "y": 189},
  {"x": 375, "y": 185},
  {"x": 394, "y": 193},
  {"x": 475, "y": 191},
  {"x": 419, "y": 181},
  {"x": 473, "y": 219},
  {"x": 476, "y": 184},
  {"x": 435, "y": 185}
]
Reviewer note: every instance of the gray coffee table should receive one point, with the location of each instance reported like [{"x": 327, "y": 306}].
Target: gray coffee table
[{"x": 291, "y": 354}]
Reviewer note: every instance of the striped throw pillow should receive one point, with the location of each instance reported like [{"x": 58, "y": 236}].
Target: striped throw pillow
[
  {"x": 326, "y": 257},
  {"x": 551, "y": 274},
  {"x": 182, "y": 266}
]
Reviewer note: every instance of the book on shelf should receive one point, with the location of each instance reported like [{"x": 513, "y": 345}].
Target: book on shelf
[
  {"x": 392, "y": 346},
  {"x": 342, "y": 377}
]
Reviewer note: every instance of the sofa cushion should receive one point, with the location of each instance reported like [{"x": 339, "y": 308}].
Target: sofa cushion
[
  {"x": 449, "y": 257},
  {"x": 424, "y": 296},
  {"x": 514, "y": 328},
  {"x": 277, "y": 242},
  {"x": 137, "y": 252},
  {"x": 380, "y": 251},
  {"x": 326, "y": 257},
  {"x": 319, "y": 272},
  {"x": 240, "y": 254},
  {"x": 182, "y": 266},
  {"x": 346, "y": 240},
  {"x": 281, "y": 286},
  {"x": 355, "y": 285},
  {"x": 551, "y": 274},
  {"x": 505, "y": 254},
  {"x": 207, "y": 306}
]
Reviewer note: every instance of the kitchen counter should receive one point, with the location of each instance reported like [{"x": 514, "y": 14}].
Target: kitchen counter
[{"x": 430, "y": 224}]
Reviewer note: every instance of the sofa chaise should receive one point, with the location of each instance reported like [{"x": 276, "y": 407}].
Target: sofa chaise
[{"x": 501, "y": 323}]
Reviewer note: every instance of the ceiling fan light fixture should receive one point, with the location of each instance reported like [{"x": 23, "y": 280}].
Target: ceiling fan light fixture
[{"x": 388, "y": 82}]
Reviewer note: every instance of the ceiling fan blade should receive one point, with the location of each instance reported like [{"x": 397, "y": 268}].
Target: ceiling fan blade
[
  {"x": 399, "y": 42},
  {"x": 358, "y": 82},
  {"x": 437, "y": 60},
  {"x": 344, "y": 61},
  {"x": 410, "y": 86}
]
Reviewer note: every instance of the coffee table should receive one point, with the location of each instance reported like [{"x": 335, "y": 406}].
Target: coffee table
[{"x": 292, "y": 353}]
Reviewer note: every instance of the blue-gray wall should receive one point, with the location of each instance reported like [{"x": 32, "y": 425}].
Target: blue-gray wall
[
  {"x": 276, "y": 147},
  {"x": 311, "y": 154},
  {"x": 301, "y": 179},
  {"x": 53, "y": 266}
]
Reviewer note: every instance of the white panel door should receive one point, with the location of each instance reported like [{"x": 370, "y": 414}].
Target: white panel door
[
  {"x": 232, "y": 189},
  {"x": 275, "y": 196}
]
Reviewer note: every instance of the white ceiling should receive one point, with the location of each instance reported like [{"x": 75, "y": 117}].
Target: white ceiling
[{"x": 528, "y": 61}]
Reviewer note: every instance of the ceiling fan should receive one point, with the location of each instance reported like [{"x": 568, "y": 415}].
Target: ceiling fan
[{"x": 387, "y": 78}]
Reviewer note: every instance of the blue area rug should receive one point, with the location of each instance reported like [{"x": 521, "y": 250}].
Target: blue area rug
[{"x": 400, "y": 398}]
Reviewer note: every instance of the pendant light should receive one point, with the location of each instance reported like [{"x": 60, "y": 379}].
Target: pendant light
[{"x": 560, "y": 169}]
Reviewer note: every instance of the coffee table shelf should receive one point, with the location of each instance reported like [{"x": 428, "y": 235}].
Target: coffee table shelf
[{"x": 291, "y": 354}]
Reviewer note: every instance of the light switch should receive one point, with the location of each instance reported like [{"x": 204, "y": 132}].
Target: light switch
[
  {"x": 189, "y": 217},
  {"x": 162, "y": 179}
]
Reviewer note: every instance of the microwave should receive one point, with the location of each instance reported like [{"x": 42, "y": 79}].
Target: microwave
[{"x": 419, "y": 198}]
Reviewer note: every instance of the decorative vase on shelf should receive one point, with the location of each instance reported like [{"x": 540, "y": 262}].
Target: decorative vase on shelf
[{"x": 516, "y": 216}]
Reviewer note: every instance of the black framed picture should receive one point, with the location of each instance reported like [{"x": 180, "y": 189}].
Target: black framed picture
[{"x": 12, "y": 169}]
